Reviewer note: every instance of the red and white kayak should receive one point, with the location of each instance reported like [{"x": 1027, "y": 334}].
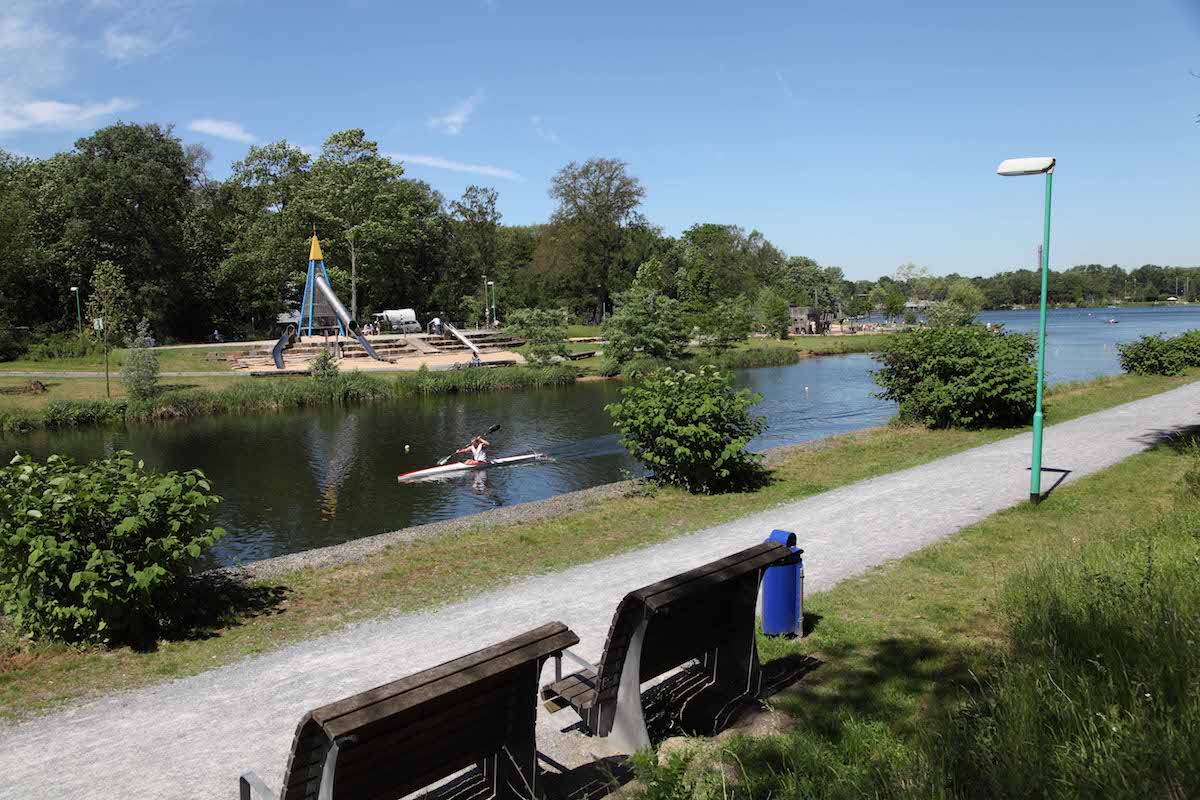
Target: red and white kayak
[{"x": 466, "y": 466}]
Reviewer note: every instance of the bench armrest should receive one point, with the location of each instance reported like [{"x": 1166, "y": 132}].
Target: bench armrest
[
  {"x": 250, "y": 785},
  {"x": 581, "y": 662}
]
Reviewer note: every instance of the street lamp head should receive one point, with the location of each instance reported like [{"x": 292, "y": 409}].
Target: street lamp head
[
  {"x": 491, "y": 283},
  {"x": 74, "y": 288},
  {"x": 1025, "y": 166}
]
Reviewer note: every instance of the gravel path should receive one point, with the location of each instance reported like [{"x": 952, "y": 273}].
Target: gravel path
[{"x": 189, "y": 739}]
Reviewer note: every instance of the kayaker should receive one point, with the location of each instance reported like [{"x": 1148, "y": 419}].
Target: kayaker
[{"x": 478, "y": 450}]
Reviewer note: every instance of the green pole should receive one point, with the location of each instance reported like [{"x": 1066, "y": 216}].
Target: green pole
[
  {"x": 1035, "y": 477},
  {"x": 78, "y": 314}
]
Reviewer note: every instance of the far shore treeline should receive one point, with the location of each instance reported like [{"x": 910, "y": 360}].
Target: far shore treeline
[{"x": 199, "y": 254}]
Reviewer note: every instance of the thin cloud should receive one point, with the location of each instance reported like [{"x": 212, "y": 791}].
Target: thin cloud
[
  {"x": 783, "y": 84},
  {"x": 456, "y": 118},
  {"x": 123, "y": 46},
  {"x": 55, "y": 115},
  {"x": 543, "y": 133},
  {"x": 457, "y": 166},
  {"x": 222, "y": 129}
]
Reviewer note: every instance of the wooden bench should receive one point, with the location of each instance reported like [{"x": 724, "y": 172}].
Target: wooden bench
[
  {"x": 703, "y": 619},
  {"x": 409, "y": 734}
]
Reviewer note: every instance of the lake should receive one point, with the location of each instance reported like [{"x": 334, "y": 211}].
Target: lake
[{"x": 300, "y": 480}]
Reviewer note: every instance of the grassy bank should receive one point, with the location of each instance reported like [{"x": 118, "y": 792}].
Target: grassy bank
[
  {"x": 414, "y": 575},
  {"x": 187, "y": 359},
  {"x": 1044, "y": 652},
  {"x": 257, "y": 396}
]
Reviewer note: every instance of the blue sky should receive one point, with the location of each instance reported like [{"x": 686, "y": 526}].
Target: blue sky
[{"x": 861, "y": 134}]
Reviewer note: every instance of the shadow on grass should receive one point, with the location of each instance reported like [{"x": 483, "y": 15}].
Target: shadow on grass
[{"x": 209, "y": 603}]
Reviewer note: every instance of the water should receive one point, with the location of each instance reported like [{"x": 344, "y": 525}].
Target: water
[{"x": 301, "y": 480}]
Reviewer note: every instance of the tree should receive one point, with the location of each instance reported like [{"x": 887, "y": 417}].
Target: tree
[
  {"x": 726, "y": 323},
  {"x": 476, "y": 241},
  {"x": 773, "y": 312},
  {"x": 645, "y": 321},
  {"x": 139, "y": 373},
  {"x": 893, "y": 303},
  {"x": 597, "y": 199},
  {"x": 110, "y": 300},
  {"x": 349, "y": 182},
  {"x": 962, "y": 304},
  {"x": 543, "y": 331}
]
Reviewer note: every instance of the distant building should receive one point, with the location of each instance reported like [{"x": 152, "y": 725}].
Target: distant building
[{"x": 809, "y": 320}]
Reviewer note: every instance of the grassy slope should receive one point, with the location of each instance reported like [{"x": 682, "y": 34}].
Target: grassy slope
[
  {"x": 902, "y": 647},
  {"x": 410, "y": 576}
]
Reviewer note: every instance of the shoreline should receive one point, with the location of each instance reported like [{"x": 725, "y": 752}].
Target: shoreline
[{"x": 361, "y": 549}]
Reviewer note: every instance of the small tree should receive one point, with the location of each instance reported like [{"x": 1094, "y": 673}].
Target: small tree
[
  {"x": 962, "y": 304},
  {"x": 691, "y": 429},
  {"x": 910, "y": 316},
  {"x": 472, "y": 308},
  {"x": 772, "y": 308},
  {"x": 139, "y": 373},
  {"x": 543, "y": 331},
  {"x": 645, "y": 321},
  {"x": 110, "y": 300},
  {"x": 324, "y": 368},
  {"x": 726, "y": 323},
  {"x": 893, "y": 304}
]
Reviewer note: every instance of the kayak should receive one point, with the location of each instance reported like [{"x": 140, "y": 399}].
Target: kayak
[{"x": 466, "y": 466}]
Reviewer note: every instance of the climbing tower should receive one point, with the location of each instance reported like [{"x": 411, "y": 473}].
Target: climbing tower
[{"x": 316, "y": 313}]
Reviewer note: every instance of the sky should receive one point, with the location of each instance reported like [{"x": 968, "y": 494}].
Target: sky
[{"x": 862, "y": 134}]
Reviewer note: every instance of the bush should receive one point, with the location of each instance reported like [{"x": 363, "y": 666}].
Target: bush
[
  {"x": 64, "y": 345},
  {"x": 139, "y": 373},
  {"x": 726, "y": 323},
  {"x": 1156, "y": 355},
  {"x": 646, "y": 322},
  {"x": 324, "y": 368},
  {"x": 959, "y": 377},
  {"x": 95, "y": 553},
  {"x": 544, "y": 333},
  {"x": 690, "y": 429}
]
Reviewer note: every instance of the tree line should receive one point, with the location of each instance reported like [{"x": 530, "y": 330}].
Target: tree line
[{"x": 198, "y": 254}]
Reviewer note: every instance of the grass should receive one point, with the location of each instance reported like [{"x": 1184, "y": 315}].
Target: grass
[
  {"x": 415, "y": 575},
  {"x": 71, "y": 404},
  {"x": 170, "y": 360},
  {"x": 1047, "y": 651}
]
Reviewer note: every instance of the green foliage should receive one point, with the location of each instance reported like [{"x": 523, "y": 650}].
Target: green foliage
[
  {"x": 95, "y": 552},
  {"x": 64, "y": 345},
  {"x": 544, "y": 333},
  {"x": 1156, "y": 355},
  {"x": 110, "y": 301},
  {"x": 959, "y": 377},
  {"x": 647, "y": 322},
  {"x": 893, "y": 303},
  {"x": 324, "y": 368},
  {"x": 726, "y": 323},
  {"x": 690, "y": 429},
  {"x": 139, "y": 373},
  {"x": 748, "y": 357},
  {"x": 772, "y": 313},
  {"x": 910, "y": 317}
]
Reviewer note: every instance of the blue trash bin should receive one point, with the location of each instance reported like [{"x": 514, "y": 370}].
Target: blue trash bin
[{"x": 783, "y": 592}]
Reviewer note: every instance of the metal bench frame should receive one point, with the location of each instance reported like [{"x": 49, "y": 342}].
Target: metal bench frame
[{"x": 705, "y": 616}]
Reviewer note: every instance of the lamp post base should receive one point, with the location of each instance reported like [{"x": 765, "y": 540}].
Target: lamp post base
[{"x": 1035, "y": 498}]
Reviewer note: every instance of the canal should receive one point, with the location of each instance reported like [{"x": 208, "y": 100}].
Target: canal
[{"x": 300, "y": 480}]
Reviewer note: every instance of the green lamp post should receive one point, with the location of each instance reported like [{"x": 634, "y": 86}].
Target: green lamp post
[
  {"x": 1037, "y": 166},
  {"x": 78, "y": 312}
]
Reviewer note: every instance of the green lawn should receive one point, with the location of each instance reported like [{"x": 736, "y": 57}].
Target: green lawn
[
  {"x": 1042, "y": 652},
  {"x": 191, "y": 359},
  {"x": 415, "y": 575},
  {"x": 13, "y": 396}
]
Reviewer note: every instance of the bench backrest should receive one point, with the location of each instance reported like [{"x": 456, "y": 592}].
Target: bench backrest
[
  {"x": 687, "y": 615},
  {"x": 408, "y": 734}
]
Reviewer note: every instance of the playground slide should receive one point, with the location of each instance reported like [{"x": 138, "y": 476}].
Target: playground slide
[
  {"x": 342, "y": 314},
  {"x": 277, "y": 352},
  {"x": 462, "y": 338}
]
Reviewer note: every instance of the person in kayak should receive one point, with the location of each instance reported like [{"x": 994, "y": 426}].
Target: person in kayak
[{"x": 478, "y": 450}]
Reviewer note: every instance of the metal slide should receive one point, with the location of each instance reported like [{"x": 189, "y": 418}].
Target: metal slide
[
  {"x": 463, "y": 338},
  {"x": 342, "y": 314},
  {"x": 289, "y": 333}
]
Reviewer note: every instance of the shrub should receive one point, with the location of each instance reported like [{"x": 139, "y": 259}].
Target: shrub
[
  {"x": 910, "y": 317},
  {"x": 773, "y": 313},
  {"x": 139, "y": 373},
  {"x": 544, "y": 333},
  {"x": 64, "y": 345},
  {"x": 95, "y": 552},
  {"x": 690, "y": 429},
  {"x": 1156, "y": 355},
  {"x": 959, "y": 377},
  {"x": 11, "y": 345},
  {"x": 324, "y": 368}
]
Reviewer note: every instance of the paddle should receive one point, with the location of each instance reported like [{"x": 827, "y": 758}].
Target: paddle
[{"x": 488, "y": 432}]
